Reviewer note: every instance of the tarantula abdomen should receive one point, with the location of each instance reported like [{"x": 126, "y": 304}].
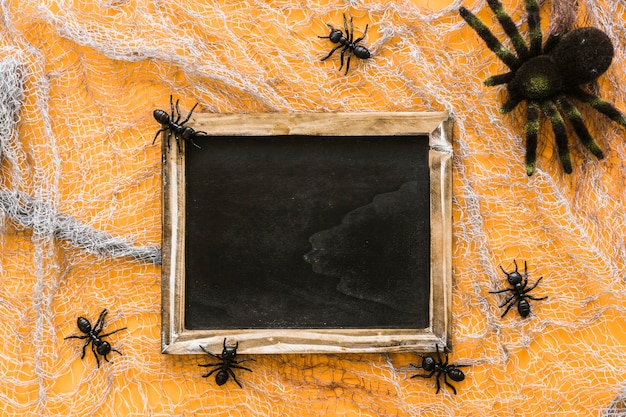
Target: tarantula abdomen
[
  {"x": 582, "y": 56},
  {"x": 576, "y": 58}
]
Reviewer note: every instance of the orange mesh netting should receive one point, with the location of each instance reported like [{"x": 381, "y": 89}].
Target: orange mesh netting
[{"x": 81, "y": 205}]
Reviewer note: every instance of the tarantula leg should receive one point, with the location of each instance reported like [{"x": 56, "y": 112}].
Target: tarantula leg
[
  {"x": 534, "y": 27},
  {"x": 499, "y": 79},
  {"x": 600, "y": 105},
  {"x": 490, "y": 40},
  {"x": 551, "y": 42},
  {"x": 560, "y": 134},
  {"x": 533, "y": 113},
  {"x": 576, "y": 119},
  {"x": 510, "y": 105},
  {"x": 510, "y": 29}
]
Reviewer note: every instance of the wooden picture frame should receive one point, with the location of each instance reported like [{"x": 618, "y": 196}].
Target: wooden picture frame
[{"x": 433, "y": 129}]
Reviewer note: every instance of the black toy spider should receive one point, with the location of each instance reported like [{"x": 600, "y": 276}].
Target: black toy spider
[
  {"x": 350, "y": 46},
  {"x": 92, "y": 334},
  {"x": 225, "y": 367},
  {"x": 440, "y": 368},
  {"x": 545, "y": 76},
  {"x": 176, "y": 127},
  {"x": 520, "y": 292}
]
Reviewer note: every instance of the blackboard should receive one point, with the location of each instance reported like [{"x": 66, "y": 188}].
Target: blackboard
[{"x": 286, "y": 235}]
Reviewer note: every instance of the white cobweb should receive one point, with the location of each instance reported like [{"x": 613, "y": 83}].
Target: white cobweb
[{"x": 80, "y": 205}]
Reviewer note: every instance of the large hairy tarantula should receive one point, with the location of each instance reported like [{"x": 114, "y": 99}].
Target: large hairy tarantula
[{"x": 547, "y": 76}]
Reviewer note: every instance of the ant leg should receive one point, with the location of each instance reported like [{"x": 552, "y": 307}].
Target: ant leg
[
  {"x": 507, "y": 309},
  {"x": 508, "y": 300},
  {"x": 533, "y": 287},
  {"x": 157, "y": 134},
  {"x": 421, "y": 375},
  {"x": 348, "y": 63},
  {"x": 362, "y": 36},
  {"x": 445, "y": 379},
  {"x": 343, "y": 51},
  {"x": 95, "y": 354},
  {"x": 172, "y": 107},
  {"x": 331, "y": 52},
  {"x": 212, "y": 372},
  {"x": 438, "y": 384},
  {"x": 189, "y": 114},
  {"x": 209, "y": 364},
  {"x": 230, "y": 371},
  {"x": 84, "y": 347},
  {"x": 241, "y": 367},
  {"x": 76, "y": 337},
  {"x": 212, "y": 354},
  {"x": 177, "y": 112},
  {"x": 244, "y": 360},
  {"x": 97, "y": 328},
  {"x": 438, "y": 354},
  {"x": 504, "y": 290},
  {"x": 331, "y": 29},
  {"x": 114, "y": 331}
]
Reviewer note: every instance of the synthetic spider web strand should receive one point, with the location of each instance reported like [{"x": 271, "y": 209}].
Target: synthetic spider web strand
[
  {"x": 21, "y": 208},
  {"x": 563, "y": 16},
  {"x": 295, "y": 395},
  {"x": 11, "y": 95}
]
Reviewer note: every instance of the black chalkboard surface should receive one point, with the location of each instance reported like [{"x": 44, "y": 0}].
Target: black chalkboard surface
[{"x": 307, "y": 232}]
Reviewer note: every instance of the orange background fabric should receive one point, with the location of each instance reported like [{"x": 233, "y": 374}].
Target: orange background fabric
[{"x": 92, "y": 72}]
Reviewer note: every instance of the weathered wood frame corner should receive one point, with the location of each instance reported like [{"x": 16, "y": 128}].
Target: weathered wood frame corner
[{"x": 437, "y": 126}]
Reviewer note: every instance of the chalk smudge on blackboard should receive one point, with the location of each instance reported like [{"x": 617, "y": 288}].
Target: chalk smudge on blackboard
[{"x": 375, "y": 251}]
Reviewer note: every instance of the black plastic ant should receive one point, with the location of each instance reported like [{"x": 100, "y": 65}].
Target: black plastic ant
[
  {"x": 176, "y": 127},
  {"x": 519, "y": 290},
  {"x": 92, "y": 334},
  {"x": 225, "y": 367},
  {"x": 439, "y": 367},
  {"x": 337, "y": 36}
]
